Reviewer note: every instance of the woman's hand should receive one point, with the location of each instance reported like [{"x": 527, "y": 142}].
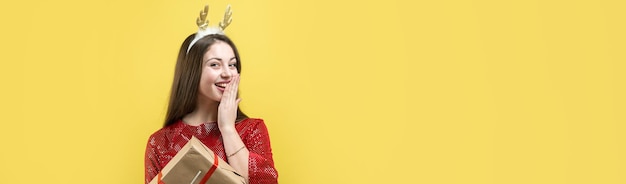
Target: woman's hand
[
  {"x": 234, "y": 147},
  {"x": 227, "y": 110}
]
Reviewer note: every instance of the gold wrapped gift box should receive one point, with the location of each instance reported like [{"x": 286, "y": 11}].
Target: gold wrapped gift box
[{"x": 197, "y": 164}]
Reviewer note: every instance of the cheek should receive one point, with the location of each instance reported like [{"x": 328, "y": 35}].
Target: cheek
[
  {"x": 235, "y": 70},
  {"x": 210, "y": 73},
  {"x": 208, "y": 77}
]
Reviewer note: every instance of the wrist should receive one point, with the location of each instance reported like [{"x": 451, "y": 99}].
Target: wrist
[{"x": 228, "y": 130}]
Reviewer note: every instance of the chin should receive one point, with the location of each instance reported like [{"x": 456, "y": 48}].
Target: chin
[{"x": 217, "y": 97}]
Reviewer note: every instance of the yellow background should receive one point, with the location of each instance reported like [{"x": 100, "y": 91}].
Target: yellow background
[{"x": 452, "y": 91}]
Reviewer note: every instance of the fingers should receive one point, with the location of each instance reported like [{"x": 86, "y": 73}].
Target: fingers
[
  {"x": 227, "y": 111},
  {"x": 234, "y": 85},
  {"x": 230, "y": 93}
]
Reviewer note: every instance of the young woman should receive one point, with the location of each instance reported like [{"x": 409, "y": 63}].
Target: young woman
[{"x": 204, "y": 104}]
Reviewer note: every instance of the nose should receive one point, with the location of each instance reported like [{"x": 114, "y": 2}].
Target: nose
[{"x": 226, "y": 73}]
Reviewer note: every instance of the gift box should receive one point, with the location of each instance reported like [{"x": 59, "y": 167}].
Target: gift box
[{"x": 197, "y": 164}]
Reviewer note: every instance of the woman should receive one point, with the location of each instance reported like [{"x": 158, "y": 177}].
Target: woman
[{"x": 204, "y": 104}]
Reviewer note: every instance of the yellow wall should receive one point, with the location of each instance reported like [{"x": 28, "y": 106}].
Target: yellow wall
[{"x": 352, "y": 92}]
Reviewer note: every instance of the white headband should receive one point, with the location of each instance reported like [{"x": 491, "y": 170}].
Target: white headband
[{"x": 203, "y": 25}]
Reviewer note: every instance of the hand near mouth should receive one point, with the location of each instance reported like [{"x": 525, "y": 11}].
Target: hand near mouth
[{"x": 227, "y": 110}]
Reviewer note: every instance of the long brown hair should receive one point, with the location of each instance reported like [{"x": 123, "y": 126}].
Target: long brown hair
[{"x": 184, "y": 95}]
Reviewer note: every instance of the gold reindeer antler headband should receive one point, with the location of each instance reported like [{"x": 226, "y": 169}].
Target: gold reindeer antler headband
[{"x": 203, "y": 24}]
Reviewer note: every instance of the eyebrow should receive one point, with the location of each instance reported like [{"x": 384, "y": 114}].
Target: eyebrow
[{"x": 220, "y": 59}]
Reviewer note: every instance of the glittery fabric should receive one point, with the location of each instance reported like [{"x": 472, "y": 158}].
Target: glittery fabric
[{"x": 166, "y": 142}]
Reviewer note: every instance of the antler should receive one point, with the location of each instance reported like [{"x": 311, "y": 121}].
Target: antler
[
  {"x": 202, "y": 21},
  {"x": 228, "y": 17}
]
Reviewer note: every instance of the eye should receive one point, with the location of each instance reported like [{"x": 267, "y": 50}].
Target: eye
[
  {"x": 232, "y": 65},
  {"x": 213, "y": 64}
]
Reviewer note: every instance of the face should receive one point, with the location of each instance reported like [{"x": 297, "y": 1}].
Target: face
[{"x": 218, "y": 68}]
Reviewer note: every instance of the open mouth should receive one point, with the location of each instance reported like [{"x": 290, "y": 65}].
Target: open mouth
[{"x": 221, "y": 85}]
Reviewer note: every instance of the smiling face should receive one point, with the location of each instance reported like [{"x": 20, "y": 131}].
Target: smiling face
[{"x": 219, "y": 65}]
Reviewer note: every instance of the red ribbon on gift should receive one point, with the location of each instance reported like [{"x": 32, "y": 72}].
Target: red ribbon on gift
[
  {"x": 213, "y": 168},
  {"x": 159, "y": 181}
]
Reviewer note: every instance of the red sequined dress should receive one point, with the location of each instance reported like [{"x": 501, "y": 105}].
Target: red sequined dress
[{"x": 166, "y": 142}]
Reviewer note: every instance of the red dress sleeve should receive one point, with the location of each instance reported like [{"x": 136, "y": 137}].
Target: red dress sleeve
[
  {"x": 152, "y": 164},
  {"x": 261, "y": 168}
]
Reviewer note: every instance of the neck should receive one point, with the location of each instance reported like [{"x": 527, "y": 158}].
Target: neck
[{"x": 204, "y": 112}]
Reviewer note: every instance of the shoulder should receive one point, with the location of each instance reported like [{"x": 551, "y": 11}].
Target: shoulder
[
  {"x": 164, "y": 134},
  {"x": 251, "y": 125},
  {"x": 252, "y": 121}
]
